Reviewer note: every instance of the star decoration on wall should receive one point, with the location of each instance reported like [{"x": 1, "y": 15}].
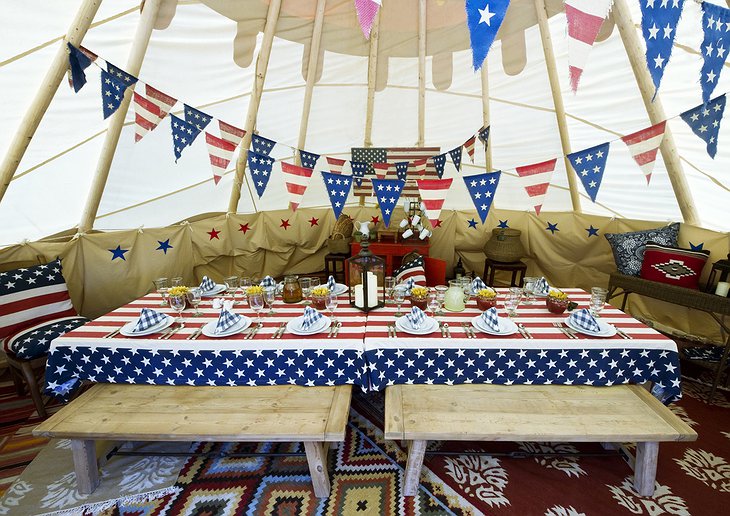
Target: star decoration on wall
[
  {"x": 313, "y": 222},
  {"x": 213, "y": 234},
  {"x": 244, "y": 227},
  {"x": 164, "y": 245},
  {"x": 118, "y": 253},
  {"x": 592, "y": 231},
  {"x": 697, "y": 247},
  {"x": 375, "y": 220},
  {"x": 284, "y": 224},
  {"x": 438, "y": 224},
  {"x": 503, "y": 224},
  {"x": 472, "y": 223},
  {"x": 552, "y": 227}
]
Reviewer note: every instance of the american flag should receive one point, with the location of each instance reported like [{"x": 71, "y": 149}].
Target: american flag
[
  {"x": 585, "y": 18},
  {"x": 643, "y": 146},
  {"x": 416, "y": 157},
  {"x": 220, "y": 152},
  {"x": 296, "y": 180},
  {"x": 536, "y": 180}
]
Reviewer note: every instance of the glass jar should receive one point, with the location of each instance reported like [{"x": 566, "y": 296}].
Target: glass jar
[
  {"x": 319, "y": 301},
  {"x": 454, "y": 298},
  {"x": 556, "y": 305},
  {"x": 485, "y": 303},
  {"x": 292, "y": 292}
]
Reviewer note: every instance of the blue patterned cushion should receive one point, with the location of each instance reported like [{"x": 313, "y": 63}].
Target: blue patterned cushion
[
  {"x": 33, "y": 342},
  {"x": 628, "y": 248}
]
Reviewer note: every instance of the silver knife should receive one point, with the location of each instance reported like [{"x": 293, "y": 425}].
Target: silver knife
[
  {"x": 446, "y": 329},
  {"x": 254, "y": 331},
  {"x": 174, "y": 331},
  {"x": 623, "y": 334},
  {"x": 195, "y": 334},
  {"x": 112, "y": 334},
  {"x": 337, "y": 328}
]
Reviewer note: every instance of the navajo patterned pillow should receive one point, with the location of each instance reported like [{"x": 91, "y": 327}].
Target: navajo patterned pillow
[
  {"x": 628, "y": 248},
  {"x": 673, "y": 265}
]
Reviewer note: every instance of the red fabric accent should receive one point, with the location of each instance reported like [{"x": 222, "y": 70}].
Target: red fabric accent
[
  {"x": 537, "y": 168},
  {"x": 581, "y": 25},
  {"x": 673, "y": 265},
  {"x": 644, "y": 134},
  {"x": 435, "y": 271}
]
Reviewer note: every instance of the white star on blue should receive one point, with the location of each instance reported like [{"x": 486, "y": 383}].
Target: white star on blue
[
  {"x": 590, "y": 164},
  {"x": 439, "y": 162},
  {"x": 482, "y": 188},
  {"x": 388, "y": 192},
  {"x": 483, "y": 18},
  {"x": 183, "y": 135},
  {"x": 262, "y": 145},
  {"x": 259, "y": 166},
  {"x": 338, "y": 188},
  {"x": 715, "y": 46},
  {"x": 308, "y": 159},
  {"x": 659, "y": 27},
  {"x": 705, "y": 122},
  {"x": 196, "y": 118}
]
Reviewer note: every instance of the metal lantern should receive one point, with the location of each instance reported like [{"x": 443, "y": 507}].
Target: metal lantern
[
  {"x": 720, "y": 268},
  {"x": 366, "y": 279}
]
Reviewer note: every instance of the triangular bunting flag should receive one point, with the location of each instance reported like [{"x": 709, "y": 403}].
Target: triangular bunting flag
[
  {"x": 469, "y": 146},
  {"x": 401, "y": 170},
  {"x": 309, "y": 159},
  {"x": 643, "y": 146},
  {"x": 705, "y": 122},
  {"x": 589, "y": 165},
  {"x": 381, "y": 169},
  {"x": 296, "y": 180},
  {"x": 439, "y": 162},
  {"x": 433, "y": 193},
  {"x": 231, "y": 133},
  {"x": 536, "y": 180},
  {"x": 220, "y": 152},
  {"x": 366, "y": 12},
  {"x": 146, "y": 116},
  {"x": 659, "y": 27},
  {"x": 585, "y": 18},
  {"x": 112, "y": 93},
  {"x": 77, "y": 62},
  {"x": 162, "y": 100},
  {"x": 483, "y": 18},
  {"x": 456, "y": 157},
  {"x": 196, "y": 118},
  {"x": 388, "y": 192},
  {"x": 419, "y": 166},
  {"x": 484, "y": 136},
  {"x": 262, "y": 145},
  {"x": 338, "y": 188},
  {"x": 358, "y": 171},
  {"x": 481, "y": 189},
  {"x": 183, "y": 135},
  {"x": 120, "y": 75},
  {"x": 715, "y": 46},
  {"x": 335, "y": 164},
  {"x": 260, "y": 167}
]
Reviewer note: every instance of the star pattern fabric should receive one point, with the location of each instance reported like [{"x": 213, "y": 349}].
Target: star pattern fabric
[
  {"x": 369, "y": 155},
  {"x": 590, "y": 164},
  {"x": 196, "y": 117},
  {"x": 358, "y": 171},
  {"x": 484, "y": 18},
  {"x": 659, "y": 20},
  {"x": 484, "y": 136},
  {"x": 481, "y": 189},
  {"x": 387, "y": 192},
  {"x": 308, "y": 159},
  {"x": 401, "y": 170},
  {"x": 260, "y": 165},
  {"x": 112, "y": 93},
  {"x": 183, "y": 135},
  {"x": 456, "y": 157},
  {"x": 120, "y": 75},
  {"x": 715, "y": 46},
  {"x": 262, "y": 145},
  {"x": 338, "y": 189},
  {"x": 705, "y": 122},
  {"x": 439, "y": 162}
]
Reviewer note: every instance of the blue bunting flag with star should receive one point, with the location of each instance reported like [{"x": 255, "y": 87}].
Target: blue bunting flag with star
[
  {"x": 338, "y": 188},
  {"x": 483, "y": 18},
  {"x": 183, "y": 135},
  {"x": 120, "y": 75},
  {"x": 705, "y": 122},
  {"x": 308, "y": 159},
  {"x": 484, "y": 136},
  {"x": 262, "y": 145},
  {"x": 196, "y": 117},
  {"x": 715, "y": 46},
  {"x": 401, "y": 170},
  {"x": 358, "y": 171},
  {"x": 439, "y": 162},
  {"x": 456, "y": 157},
  {"x": 259, "y": 165},
  {"x": 77, "y": 62},
  {"x": 388, "y": 192},
  {"x": 590, "y": 164},
  {"x": 112, "y": 93},
  {"x": 481, "y": 189},
  {"x": 659, "y": 20}
]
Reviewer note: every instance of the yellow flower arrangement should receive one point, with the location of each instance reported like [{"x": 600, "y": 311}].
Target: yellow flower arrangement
[
  {"x": 178, "y": 291},
  {"x": 256, "y": 289},
  {"x": 486, "y": 293},
  {"x": 320, "y": 291},
  {"x": 419, "y": 292},
  {"x": 557, "y": 294}
]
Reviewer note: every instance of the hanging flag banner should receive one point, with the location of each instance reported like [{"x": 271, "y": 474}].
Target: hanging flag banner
[
  {"x": 296, "y": 180},
  {"x": 147, "y": 116},
  {"x": 585, "y": 18},
  {"x": 659, "y": 27},
  {"x": 120, "y": 75},
  {"x": 536, "y": 180},
  {"x": 161, "y": 100},
  {"x": 262, "y": 145},
  {"x": 456, "y": 157},
  {"x": 358, "y": 171},
  {"x": 484, "y": 136},
  {"x": 483, "y": 18},
  {"x": 715, "y": 46},
  {"x": 77, "y": 62},
  {"x": 183, "y": 135},
  {"x": 220, "y": 152},
  {"x": 643, "y": 146},
  {"x": 366, "y": 12},
  {"x": 482, "y": 188},
  {"x": 589, "y": 165},
  {"x": 231, "y": 133},
  {"x": 419, "y": 166},
  {"x": 401, "y": 170},
  {"x": 260, "y": 166},
  {"x": 433, "y": 194},
  {"x": 439, "y": 162},
  {"x": 335, "y": 165},
  {"x": 112, "y": 93},
  {"x": 387, "y": 192},
  {"x": 338, "y": 188},
  {"x": 196, "y": 118},
  {"x": 381, "y": 169},
  {"x": 469, "y": 146},
  {"x": 705, "y": 122},
  {"x": 308, "y": 159}
]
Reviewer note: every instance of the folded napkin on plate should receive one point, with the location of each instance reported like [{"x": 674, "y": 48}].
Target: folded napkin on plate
[
  {"x": 416, "y": 317},
  {"x": 207, "y": 284},
  {"x": 542, "y": 286},
  {"x": 148, "y": 318},
  {"x": 310, "y": 317},
  {"x": 268, "y": 281},
  {"x": 408, "y": 285},
  {"x": 226, "y": 320},
  {"x": 331, "y": 283},
  {"x": 477, "y": 285},
  {"x": 491, "y": 319},
  {"x": 583, "y": 320}
]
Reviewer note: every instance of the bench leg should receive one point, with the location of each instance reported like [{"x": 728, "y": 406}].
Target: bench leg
[
  {"x": 645, "y": 470},
  {"x": 416, "y": 451},
  {"x": 317, "y": 460},
  {"x": 87, "y": 470}
]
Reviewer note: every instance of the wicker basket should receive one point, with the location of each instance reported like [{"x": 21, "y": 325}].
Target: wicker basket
[
  {"x": 504, "y": 246},
  {"x": 343, "y": 227},
  {"x": 338, "y": 244}
]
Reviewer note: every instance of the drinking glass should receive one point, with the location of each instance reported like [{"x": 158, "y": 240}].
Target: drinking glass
[
  {"x": 256, "y": 302},
  {"x": 389, "y": 285},
  {"x": 598, "y": 299},
  {"x": 529, "y": 287},
  {"x": 177, "y": 281},
  {"x": 399, "y": 295},
  {"x": 270, "y": 297},
  {"x": 194, "y": 297},
  {"x": 433, "y": 303},
  {"x": 441, "y": 296},
  {"x": 330, "y": 304},
  {"x": 306, "y": 284},
  {"x": 161, "y": 286},
  {"x": 466, "y": 286},
  {"x": 313, "y": 283},
  {"x": 231, "y": 286},
  {"x": 177, "y": 303},
  {"x": 512, "y": 301},
  {"x": 245, "y": 282}
]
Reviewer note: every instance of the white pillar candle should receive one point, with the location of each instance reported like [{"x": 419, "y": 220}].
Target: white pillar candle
[
  {"x": 722, "y": 288},
  {"x": 359, "y": 296},
  {"x": 372, "y": 290}
]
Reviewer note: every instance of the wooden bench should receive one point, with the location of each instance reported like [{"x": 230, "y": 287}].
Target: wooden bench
[
  {"x": 622, "y": 413},
  {"x": 312, "y": 415}
]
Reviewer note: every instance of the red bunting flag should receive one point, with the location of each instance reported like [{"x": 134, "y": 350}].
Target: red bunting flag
[
  {"x": 643, "y": 146},
  {"x": 231, "y": 133},
  {"x": 335, "y": 165},
  {"x": 147, "y": 116},
  {"x": 433, "y": 194},
  {"x": 536, "y": 180},
  {"x": 296, "y": 180},
  {"x": 585, "y": 18},
  {"x": 220, "y": 152},
  {"x": 419, "y": 166},
  {"x": 162, "y": 100},
  {"x": 366, "y": 12},
  {"x": 381, "y": 169},
  {"x": 469, "y": 146}
]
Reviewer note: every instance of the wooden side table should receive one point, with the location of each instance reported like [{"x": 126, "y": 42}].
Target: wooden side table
[
  {"x": 518, "y": 270},
  {"x": 334, "y": 264}
]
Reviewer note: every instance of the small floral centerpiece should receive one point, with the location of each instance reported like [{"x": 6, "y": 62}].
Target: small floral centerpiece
[
  {"x": 486, "y": 299},
  {"x": 556, "y": 301},
  {"x": 419, "y": 297},
  {"x": 178, "y": 291},
  {"x": 319, "y": 297},
  {"x": 254, "y": 290}
]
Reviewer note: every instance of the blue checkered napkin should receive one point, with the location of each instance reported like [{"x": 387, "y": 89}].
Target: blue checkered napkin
[
  {"x": 207, "y": 284},
  {"x": 148, "y": 318},
  {"x": 491, "y": 319},
  {"x": 477, "y": 285},
  {"x": 542, "y": 287},
  {"x": 226, "y": 320},
  {"x": 331, "y": 283},
  {"x": 583, "y": 320},
  {"x": 409, "y": 284},
  {"x": 268, "y": 281},
  {"x": 310, "y": 317},
  {"x": 416, "y": 317}
]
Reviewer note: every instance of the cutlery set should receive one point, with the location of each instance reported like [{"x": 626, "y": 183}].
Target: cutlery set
[
  {"x": 195, "y": 334},
  {"x": 391, "y": 331},
  {"x": 253, "y": 331},
  {"x": 172, "y": 330},
  {"x": 469, "y": 330},
  {"x": 445, "y": 332},
  {"x": 279, "y": 331},
  {"x": 334, "y": 329},
  {"x": 568, "y": 332},
  {"x": 524, "y": 331},
  {"x": 113, "y": 333}
]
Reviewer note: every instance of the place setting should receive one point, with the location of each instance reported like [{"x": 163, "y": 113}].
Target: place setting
[
  {"x": 149, "y": 322},
  {"x": 491, "y": 323},
  {"x": 209, "y": 288},
  {"x": 310, "y": 322},
  {"x": 585, "y": 322},
  {"x": 415, "y": 322}
]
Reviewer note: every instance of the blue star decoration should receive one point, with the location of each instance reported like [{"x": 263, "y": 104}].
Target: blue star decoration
[
  {"x": 118, "y": 253},
  {"x": 552, "y": 227},
  {"x": 164, "y": 245},
  {"x": 592, "y": 231},
  {"x": 503, "y": 224},
  {"x": 697, "y": 247},
  {"x": 473, "y": 223}
]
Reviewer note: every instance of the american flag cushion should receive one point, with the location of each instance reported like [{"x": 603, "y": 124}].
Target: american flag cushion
[
  {"x": 34, "y": 341},
  {"x": 413, "y": 269},
  {"x": 32, "y": 295}
]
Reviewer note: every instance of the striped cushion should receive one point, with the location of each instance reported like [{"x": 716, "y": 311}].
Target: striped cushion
[
  {"x": 34, "y": 341},
  {"x": 32, "y": 295},
  {"x": 413, "y": 269}
]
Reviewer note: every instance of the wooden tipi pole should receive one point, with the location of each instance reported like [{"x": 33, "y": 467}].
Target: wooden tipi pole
[
  {"x": 421, "y": 73},
  {"x": 116, "y": 122},
  {"x": 547, "y": 48},
  {"x": 372, "y": 76},
  {"x": 44, "y": 95},
  {"x": 262, "y": 65},
  {"x": 485, "y": 114},
  {"x": 655, "y": 110}
]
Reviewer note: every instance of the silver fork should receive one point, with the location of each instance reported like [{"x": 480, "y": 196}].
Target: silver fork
[
  {"x": 279, "y": 331},
  {"x": 565, "y": 331},
  {"x": 195, "y": 334},
  {"x": 173, "y": 331},
  {"x": 467, "y": 330},
  {"x": 112, "y": 334},
  {"x": 253, "y": 331},
  {"x": 525, "y": 333},
  {"x": 446, "y": 329},
  {"x": 623, "y": 334}
]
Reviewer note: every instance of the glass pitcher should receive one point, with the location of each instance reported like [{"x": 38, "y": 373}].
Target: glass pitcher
[
  {"x": 292, "y": 290},
  {"x": 454, "y": 298}
]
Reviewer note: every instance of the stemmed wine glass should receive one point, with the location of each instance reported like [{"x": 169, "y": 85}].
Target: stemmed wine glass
[
  {"x": 161, "y": 285},
  {"x": 306, "y": 284},
  {"x": 256, "y": 302},
  {"x": 433, "y": 303},
  {"x": 231, "y": 287},
  {"x": 177, "y": 303},
  {"x": 399, "y": 295},
  {"x": 389, "y": 285},
  {"x": 270, "y": 297},
  {"x": 194, "y": 297},
  {"x": 330, "y": 304},
  {"x": 512, "y": 300},
  {"x": 598, "y": 299},
  {"x": 441, "y": 295}
]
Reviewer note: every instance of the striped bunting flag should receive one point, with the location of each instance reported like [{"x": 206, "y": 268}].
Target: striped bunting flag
[
  {"x": 220, "y": 152},
  {"x": 335, "y": 165},
  {"x": 161, "y": 100},
  {"x": 433, "y": 194},
  {"x": 585, "y": 18},
  {"x": 643, "y": 146},
  {"x": 469, "y": 146},
  {"x": 296, "y": 180},
  {"x": 231, "y": 133},
  {"x": 536, "y": 180},
  {"x": 147, "y": 116},
  {"x": 381, "y": 169}
]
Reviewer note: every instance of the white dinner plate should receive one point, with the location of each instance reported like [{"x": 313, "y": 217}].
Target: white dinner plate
[
  {"x": 209, "y": 329},
  {"x": 214, "y": 291},
  {"x": 429, "y": 325},
  {"x": 340, "y": 289},
  {"x": 506, "y": 326},
  {"x": 127, "y": 329},
  {"x": 606, "y": 330},
  {"x": 295, "y": 326}
]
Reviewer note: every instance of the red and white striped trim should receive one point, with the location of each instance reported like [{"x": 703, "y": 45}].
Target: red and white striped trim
[
  {"x": 147, "y": 116},
  {"x": 536, "y": 180},
  {"x": 381, "y": 169},
  {"x": 585, "y": 18},
  {"x": 296, "y": 180},
  {"x": 643, "y": 146},
  {"x": 335, "y": 164},
  {"x": 469, "y": 146},
  {"x": 433, "y": 194},
  {"x": 162, "y": 100},
  {"x": 231, "y": 133},
  {"x": 220, "y": 152}
]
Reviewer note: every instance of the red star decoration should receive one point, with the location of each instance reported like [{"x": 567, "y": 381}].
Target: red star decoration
[
  {"x": 437, "y": 224},
  {"x": 284, "y": 224},
  {"x": 313, "y": 222},
  {"x": 375, "y": 220},
  {"x": 244, "y": 227},
  {"x": 214, "y": 234}
]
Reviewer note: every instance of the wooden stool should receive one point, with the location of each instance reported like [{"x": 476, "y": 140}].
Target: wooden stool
[
  {"x": 490, "y": 267},
  {"x": 334, "y": 264}
]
